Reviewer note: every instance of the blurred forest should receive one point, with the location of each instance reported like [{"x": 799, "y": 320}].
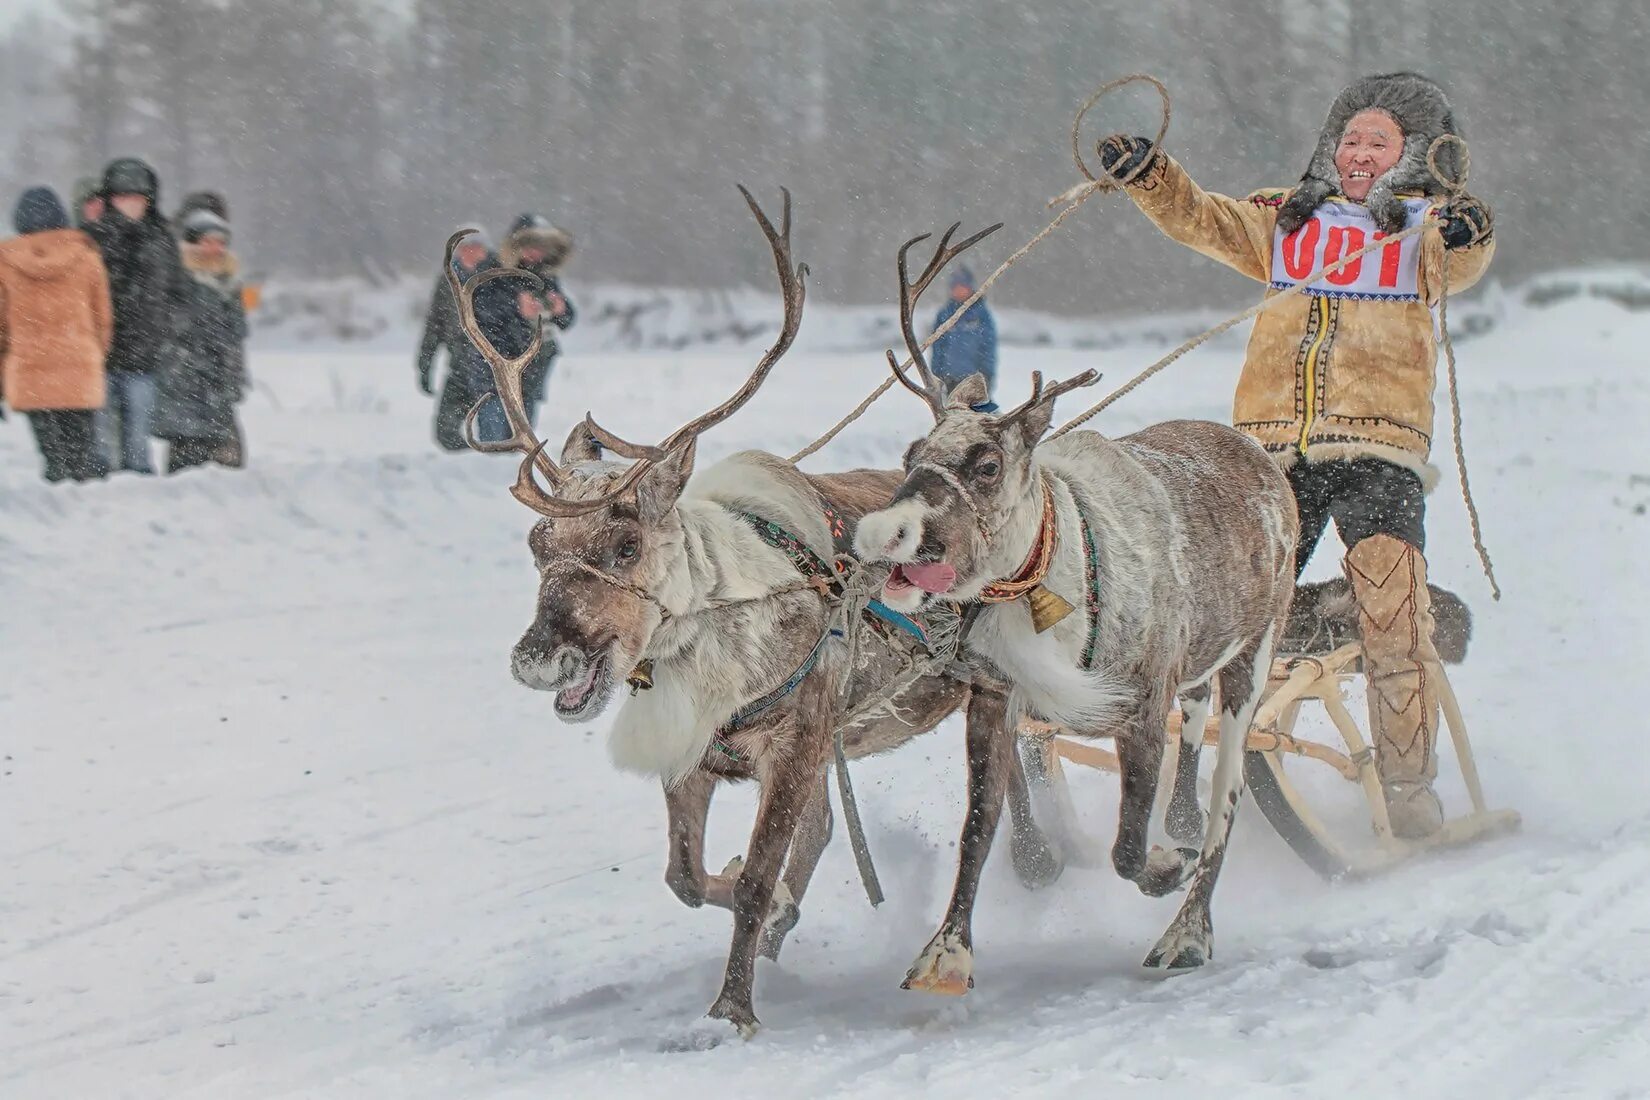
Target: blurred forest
[{"x": 351, "y": 136}]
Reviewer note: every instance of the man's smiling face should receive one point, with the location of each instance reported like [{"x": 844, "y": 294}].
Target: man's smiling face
[{"x": 1370, "y": 145}]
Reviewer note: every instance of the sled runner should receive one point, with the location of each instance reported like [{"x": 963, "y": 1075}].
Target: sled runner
[{"x": 1293, "y": 777}]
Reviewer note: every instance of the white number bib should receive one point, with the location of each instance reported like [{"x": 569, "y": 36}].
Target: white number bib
[{"x": 1337, "y": 229}]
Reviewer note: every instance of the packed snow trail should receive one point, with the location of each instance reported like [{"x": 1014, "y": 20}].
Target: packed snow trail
[{"x": 276, "y": 822}]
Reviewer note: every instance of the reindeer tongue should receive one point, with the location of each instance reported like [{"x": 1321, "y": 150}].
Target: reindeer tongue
[{"x": 933, "y": 576}]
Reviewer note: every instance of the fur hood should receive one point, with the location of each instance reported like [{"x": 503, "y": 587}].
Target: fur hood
[
  {"x": 197, "y": 262},
  {"x": 557, "y": 245},
  {"x": 1423, "y": 113}
]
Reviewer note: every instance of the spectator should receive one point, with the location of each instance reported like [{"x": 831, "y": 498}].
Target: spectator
[
  {"x": 55, "y": 329},
  {"x": 469, "y": 379},
  {"x": 147, "y": 286},
  {"x": 970, "y": 347},
  {"x": 88, "y": 201},
  {"x": 212, "y": 202},
  {"x": 533, "y": 244},
  {"x": 206, "y": 376}
]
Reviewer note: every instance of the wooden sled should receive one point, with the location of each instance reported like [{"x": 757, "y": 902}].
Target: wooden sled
[{"x": 1273, "y": 770}]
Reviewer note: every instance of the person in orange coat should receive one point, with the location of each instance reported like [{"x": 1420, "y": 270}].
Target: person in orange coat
[{"x": 55, "y": 328}]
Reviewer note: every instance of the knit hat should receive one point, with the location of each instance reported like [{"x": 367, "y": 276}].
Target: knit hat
[
  {"x": 212, "y": 201},
  {"x": 38, "y": 210},
  {"x": 1422, "y": 112},
  {"x": 202, "y": 223},
  {"x": 961, "y": 276},
  {"x": 131, "y": 176}
]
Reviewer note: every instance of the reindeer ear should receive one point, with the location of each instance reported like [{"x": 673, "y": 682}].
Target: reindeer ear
[
  {"x": 662, "y": 487},
  {"x": 1032, "y": 420},
  {"x": 581, "y": 446},
  {"x": 971, "y": 391}
]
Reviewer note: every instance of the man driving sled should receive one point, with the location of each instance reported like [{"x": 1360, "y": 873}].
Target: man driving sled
[{"x": 1337, "y": 383}]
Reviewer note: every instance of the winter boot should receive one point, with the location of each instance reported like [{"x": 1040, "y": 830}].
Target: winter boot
[{"x": 1389, "y": 580}]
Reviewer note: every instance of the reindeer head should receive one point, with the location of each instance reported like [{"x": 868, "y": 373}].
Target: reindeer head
[
  {"x": 971, "y": 494},
  {"x": 611, "y": 534}
]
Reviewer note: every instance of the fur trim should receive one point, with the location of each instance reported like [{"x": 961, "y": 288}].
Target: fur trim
[
  {"x": 1331, "y": 452},
  {"x": 1422, "y": 112},
  {"x": 1324, "y": 616},
  {"x": 197, "y": 262},
  {"x": 557, "y": 245}
]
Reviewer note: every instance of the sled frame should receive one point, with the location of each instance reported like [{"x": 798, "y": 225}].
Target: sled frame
[{"x": 1294, "y": 682}]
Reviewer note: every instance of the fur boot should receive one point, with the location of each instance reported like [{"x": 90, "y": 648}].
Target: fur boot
[{"x": 1389, "y": 578}]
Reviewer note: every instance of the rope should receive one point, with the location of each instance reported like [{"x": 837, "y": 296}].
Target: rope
[
  {"x": 1073, "y": 199},
  {"x": 856, "y": 827},
  {"x": 1456, "y": 187},
  {"x": 1231, "y": 322},
  {"x": 945, "y": 642}
]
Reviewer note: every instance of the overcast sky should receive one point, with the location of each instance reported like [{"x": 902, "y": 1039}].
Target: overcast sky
[{"x": 10, "y": 10}]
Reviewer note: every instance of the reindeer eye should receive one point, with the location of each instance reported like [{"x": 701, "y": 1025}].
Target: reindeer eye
[
  {"x": 628, "y": 549},
  {"x": 987, "y": 470}
]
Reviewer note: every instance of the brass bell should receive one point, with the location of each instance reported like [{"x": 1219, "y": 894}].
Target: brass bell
[
  {"x": 641, "y": 677},
  {"x": 1047, "y": 608}
]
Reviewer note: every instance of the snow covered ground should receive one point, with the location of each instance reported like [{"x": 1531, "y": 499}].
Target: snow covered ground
[{"x": 276, "y": 822}]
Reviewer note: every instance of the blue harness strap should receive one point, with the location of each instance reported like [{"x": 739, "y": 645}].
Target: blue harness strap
[
  {"x": 809, "y": 564},
  {"x": 748, "y": 713}
]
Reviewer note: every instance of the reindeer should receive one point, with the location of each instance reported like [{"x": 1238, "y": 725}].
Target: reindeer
[
  {"x": 1176, "y": 546},
  {"x": 712, "y": 600}
]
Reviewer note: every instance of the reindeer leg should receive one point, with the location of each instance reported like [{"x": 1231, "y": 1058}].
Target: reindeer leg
[
  {"x": 813, "y": 834},
  {"x": 1036, "y": 863},
  {"x": 946, "y": 965},
  {"x": 687, "y": 806},
  {"x": 1140, "y": 760},
  {"x": 1188, "y": 943},
  {"x": 791, "y": 781},
  {"x": 1185, "y": 818}
]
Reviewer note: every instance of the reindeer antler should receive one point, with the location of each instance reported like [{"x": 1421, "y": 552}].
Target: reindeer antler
[
  {"x": 793, "y": 289},
  {"x": 508, "y": 393},
  {"x": 1039, "y": 394},
  {"x": 932, "y": 390}
]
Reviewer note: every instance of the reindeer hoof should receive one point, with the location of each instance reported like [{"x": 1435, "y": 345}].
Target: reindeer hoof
[
  {"x": 946, "y": 967},
  {"x": 1182, "y": 948},
  {"x": 741, "y": 1016},
  {"x": 1166, "y": 871},
  {"x": 783, "y": 916}
]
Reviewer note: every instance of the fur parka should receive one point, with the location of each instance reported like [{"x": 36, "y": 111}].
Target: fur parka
[{"x": 1346, "y": 369}]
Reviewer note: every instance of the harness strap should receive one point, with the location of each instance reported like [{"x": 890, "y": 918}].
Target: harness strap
[
  {"x": 1091, "y": 588},
  {"x": 748, "y": 713}
]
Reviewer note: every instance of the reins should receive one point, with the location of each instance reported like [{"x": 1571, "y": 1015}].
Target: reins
[
  {"x": 1454, "y": 188},
  {"x": 1106, "y": 181},
  {"x": 1073, "y": 199}
]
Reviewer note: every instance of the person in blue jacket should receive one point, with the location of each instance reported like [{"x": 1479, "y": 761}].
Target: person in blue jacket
[{"x": 971, "y": 345}]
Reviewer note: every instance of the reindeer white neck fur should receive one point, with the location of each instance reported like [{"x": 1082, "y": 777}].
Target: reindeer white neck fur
[{"x": 703, "y": 669}]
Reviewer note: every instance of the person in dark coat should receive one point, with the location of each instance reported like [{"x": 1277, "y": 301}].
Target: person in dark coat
[
  {"x": 150, "y": 294},
  {"x": 55, "y": 327},
  {"x": 212, "y": 202},
  {"x": 970, "y": 347},
  {"x": 206, "y": 378},
  {"x": 88, "y": 201},
  {"x": 533, "y": 244},
  {"x": 469, "y": 379}
]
